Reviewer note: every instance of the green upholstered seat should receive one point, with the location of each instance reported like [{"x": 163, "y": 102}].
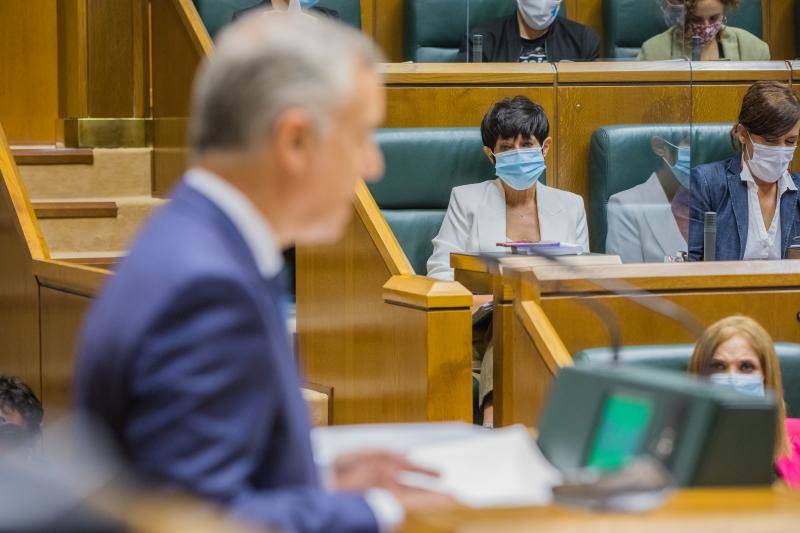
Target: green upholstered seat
[
  {"x": 629, "y": 23},
  {"x": 677, "y": 356},
  {"x": 620, "y": 157},
  {"x": 422, "y": 167},
  {"x": 217, "y": 13},
  {"x": 434, "y": 29}
]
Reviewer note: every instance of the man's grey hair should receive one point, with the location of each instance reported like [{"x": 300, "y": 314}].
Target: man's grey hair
[{"x": 267, "y": 63}]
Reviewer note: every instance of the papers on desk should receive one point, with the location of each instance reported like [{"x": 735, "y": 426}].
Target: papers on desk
[
  {"x": 478, "y": 467},
  {"x": 543, "y": 247}
]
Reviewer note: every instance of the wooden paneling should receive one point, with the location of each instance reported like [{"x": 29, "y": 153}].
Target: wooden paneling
[
  {"x": 179, "y": 43},
  {"x": 584, "y": 109},
  {"x": 103, "y": 58},
  {"x": 388, "y": 31},
  {"x": 20, "y": 242},
  {"x": 732, "y": 510},
  {"x": 770, "y": 293},
  {"x": 779, "y": 28},
  {"x": 384, "y": 361},
  {"x": 28, "y": 71},
  {"x": 61, "y": 317}
]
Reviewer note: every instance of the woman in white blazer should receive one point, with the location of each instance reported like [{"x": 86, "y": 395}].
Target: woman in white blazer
[
  {"x": 650, "y": 221},
  {"x": 514, "y": 207},
  {"x": 481, "y": 215}
]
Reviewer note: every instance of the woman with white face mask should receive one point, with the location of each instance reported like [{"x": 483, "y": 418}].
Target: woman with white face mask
[
  {"x": 737, "y": 352},
  {"x": 706, "y": 20},
  {"x": 753, "y": 193}
]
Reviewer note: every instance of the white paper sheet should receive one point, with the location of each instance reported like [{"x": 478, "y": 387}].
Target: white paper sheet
[{"x": 479, "y": 468}]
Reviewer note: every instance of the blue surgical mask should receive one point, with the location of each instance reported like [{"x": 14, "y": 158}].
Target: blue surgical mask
[
  {"x": 682, "y": 168},
  {"x": 520, "y": 169},
  {"x": 751, "y": 384}
]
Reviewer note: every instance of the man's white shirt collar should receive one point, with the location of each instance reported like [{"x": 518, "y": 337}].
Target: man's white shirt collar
[{"x": 248, "y": 221}]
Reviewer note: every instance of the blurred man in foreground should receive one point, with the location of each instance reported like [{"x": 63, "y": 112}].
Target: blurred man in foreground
[{"x": 185, "y": 355}]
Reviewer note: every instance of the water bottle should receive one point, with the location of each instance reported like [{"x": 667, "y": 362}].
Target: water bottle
[{"x": 477, "y": 48}]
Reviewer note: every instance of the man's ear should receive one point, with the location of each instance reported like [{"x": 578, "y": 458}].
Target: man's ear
[
  {"x": 489, "y": 154},
  {"x": 292, "y": 140},
  {"x": 546, "y": 146}
]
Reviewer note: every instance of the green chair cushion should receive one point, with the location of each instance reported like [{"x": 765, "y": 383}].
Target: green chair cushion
[
  {"x": 677, "y": 356},
  {"x": 620, "y": 157},
  {"x": 218, "y": 13},
  {"x": 629, "y": 23},
  {"x": 422, "y": 167},
  {"x": 434, "y": 29}
]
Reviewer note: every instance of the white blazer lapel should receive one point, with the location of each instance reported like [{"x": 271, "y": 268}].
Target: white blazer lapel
[
  {"x": 553, "y": 222},
  {"x": 657, "y": 212},
  {"x": 490, "y": 218}
]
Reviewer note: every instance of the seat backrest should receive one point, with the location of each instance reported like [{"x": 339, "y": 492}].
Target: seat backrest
[
  {"x": 629, "y": 23},
  {"x": 677, "y": 356},
  {"x": 621, "y": 157},
  {"x": 422, "y": 167},
  {"x": 434, "y": 29},
  {"x": 217, "y": 13}
]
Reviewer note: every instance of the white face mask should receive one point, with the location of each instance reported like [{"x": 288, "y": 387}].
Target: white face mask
[
  {"x": 769, "y": 163},
  {"x": 539, "y": 14}
]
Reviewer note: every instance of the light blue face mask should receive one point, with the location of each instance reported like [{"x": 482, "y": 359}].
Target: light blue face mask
[
  {"x": 751, "y": 384},
  {"x": 520, "y": 169},
  {"x": 308, "y": 4},
  {"x": 682, "y": 168}
]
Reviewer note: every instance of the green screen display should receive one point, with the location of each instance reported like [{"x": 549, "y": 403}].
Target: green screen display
[{"x": 623, "y": 423}]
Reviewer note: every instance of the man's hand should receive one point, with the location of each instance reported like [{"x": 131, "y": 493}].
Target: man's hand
[{"x": 359, "y": 471}]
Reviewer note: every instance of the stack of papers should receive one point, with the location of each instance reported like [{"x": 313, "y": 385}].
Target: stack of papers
[
  {"x": 543, "y": 247},
  {"x": 477, "y": 467}
]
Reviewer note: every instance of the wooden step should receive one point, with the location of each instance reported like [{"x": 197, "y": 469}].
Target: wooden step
[
  {"x": 70, "y": 209},
  {"x": 49, "y": 155}
]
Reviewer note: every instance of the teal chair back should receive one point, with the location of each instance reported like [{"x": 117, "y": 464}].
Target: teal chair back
[
  {"x": 422, "y": 167},
  {"x": 621, "y": 157},
  {"x": 218, "y": 13},
  {"x": 434, "y": 29},
  {"x": 677, "y": 356},
  {"x": 629, "y": 23}
]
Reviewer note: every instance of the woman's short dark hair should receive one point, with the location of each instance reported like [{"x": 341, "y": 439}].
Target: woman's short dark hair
[
  {"x": 770, "y": 109},
  {"x": 512, "y": 117}
]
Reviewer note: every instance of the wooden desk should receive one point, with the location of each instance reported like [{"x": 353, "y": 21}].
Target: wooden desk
[
  {"x": 701, "y": 510},
  {"x": 549, "y": 319}
]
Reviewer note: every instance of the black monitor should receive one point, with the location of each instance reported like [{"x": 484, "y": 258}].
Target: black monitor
[{"x": 706, "y": 435}]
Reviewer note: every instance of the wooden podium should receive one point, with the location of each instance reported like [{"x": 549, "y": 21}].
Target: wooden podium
[{"x": 541, "y": 316}]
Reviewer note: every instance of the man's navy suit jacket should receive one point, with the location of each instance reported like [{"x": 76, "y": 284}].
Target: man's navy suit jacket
[{"x": 185, "y": 358}]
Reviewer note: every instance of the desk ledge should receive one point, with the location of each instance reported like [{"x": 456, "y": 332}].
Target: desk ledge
[{"x": 426, "y": 293}]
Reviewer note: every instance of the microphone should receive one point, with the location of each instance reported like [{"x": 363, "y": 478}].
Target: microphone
[
  {"x": 710, "y": 236},
  {"x": 648, "y": 300}
]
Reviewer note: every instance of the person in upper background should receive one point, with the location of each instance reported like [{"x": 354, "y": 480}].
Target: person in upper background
[
  {"x": 738, "y": 352},
  {"x": 753, "y": 193},
  {"x": 283, "y": 5},
  {"x": 650, "y": 221},
  {"x": 704, "y": 19},
  {"x": 534, "y": 34},
  {"x": 513, "y": 207},
  {"x": 20, "y": 415},
  {"x": 184, "y": 357}
]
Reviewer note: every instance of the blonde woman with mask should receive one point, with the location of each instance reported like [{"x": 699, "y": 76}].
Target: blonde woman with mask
[{"x": 737, "y": 352}]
